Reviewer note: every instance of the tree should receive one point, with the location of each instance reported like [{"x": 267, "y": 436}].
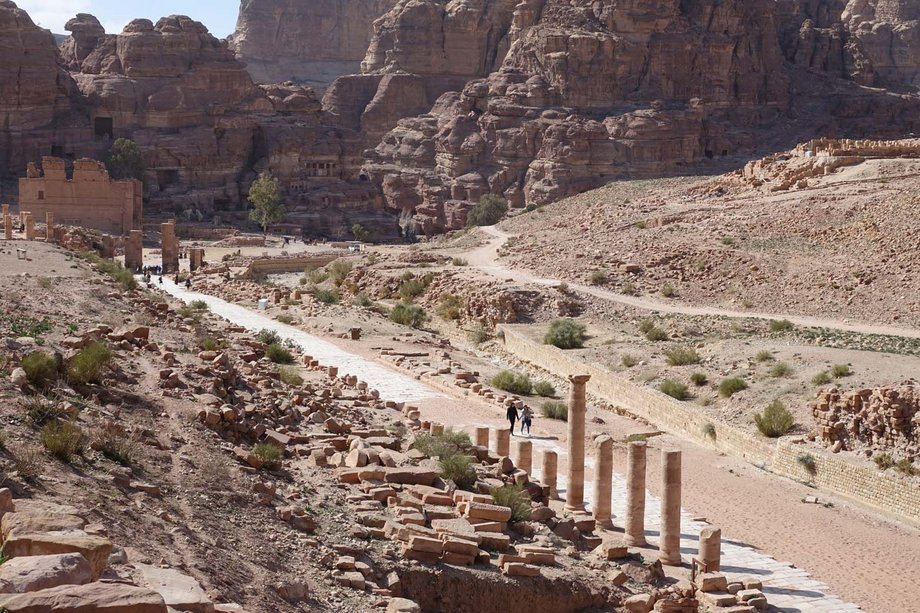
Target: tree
[
  {"x": 488, "y": 212},
  {"x": 265, "y": 196},
  {"x": 125, "y": 161},
  {"x": 360, "y": 233}
]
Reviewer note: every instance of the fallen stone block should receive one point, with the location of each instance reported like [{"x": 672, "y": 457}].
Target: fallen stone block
[
  {"x": 517, "y": 569},
  {"x": 712, "y": 582},
  {"x": 33, "y": 573},
  {"x": 90, "y": 598},
  {"x": 430, "y": 545},
  {"x": 403, "y": 605},
  {"x": 489, "y": 512},
  {"x": 612, "y": 549},
  {"x": 640, "y": 603},
  {"x": 179, "y": 591},
  {"x": 95, "y": 549}
]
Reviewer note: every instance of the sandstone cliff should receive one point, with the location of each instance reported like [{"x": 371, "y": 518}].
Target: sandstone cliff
[{"x": 310, "y": 41}]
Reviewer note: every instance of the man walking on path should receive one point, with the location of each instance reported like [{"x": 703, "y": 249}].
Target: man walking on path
[{"x": 512, "y": 415}]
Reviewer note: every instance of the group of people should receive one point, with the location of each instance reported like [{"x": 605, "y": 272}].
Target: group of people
[{"x": 526, "y": 417}]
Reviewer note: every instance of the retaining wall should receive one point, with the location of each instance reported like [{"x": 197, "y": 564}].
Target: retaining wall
[{"x": 846, "y": 476}]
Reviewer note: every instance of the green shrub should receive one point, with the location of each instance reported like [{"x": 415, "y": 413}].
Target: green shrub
[
  {"x": 515, "y": 383},
  {"x": 411, "y": 289},
  {"x": 114, "y": 444},
  {"x": 883, "y": 460},
  {"x": 449, "y": 442},
  {"x": 597, "y": 277},
  {"x": 645, "y": 325},
  {"x": 514, "y": 497},
  {"x": 554, "y": 409},
  {"x": 362, "y": 300},
  {"x": 840, "y": 370},
  {"x": 458, "y": 467},
  {"x": 39, "y": 411},
  {"x": 199, "y": 305},
  {"x": 544, "y": 388},
  {"x": 808, "y": 462},
  {"x": 278, "y": 354},
  {"x": 764, "y": 356},
  {"x": 270, "y": 455},
  {"x": 668, "y": 291},
  {"x": 635, "y": 438},
  {"x": 565, "y": 334},
  {"x": 326, "y": 296},
  {"x": 629, "y": 360},
  {"x": 656, "y": 334},
  {"x": 63, "y": 440},
  {"x": 88, "y": 365},
  {"x": 317, "y": 276},
  {"x": 41, "y": 369},
  {"x": 408, "y": 315},
  {"x": 449, "y": 307},
  {"x": 290, "y": 375},
  {"x": 681, "y": 356},
  {"x": 269, "y": 337},
  {"x": 488, "y": 212},
  {"x": 208, "y": 343},
  {"x": 478, "y": 334},
  {"x": 359, "y": 232},
  {"x": 822, "y": 378},
  {"x": 338, "y": 270},
  {"x": 781, "y": 325},
  {"x": 699, "y": 379},
  {"x": 731, "y": 386},
  {"x": 674, "y": 389},
  {"x": 28, "y": 461},
  {"x": 780, "y": 369},
  {"x": 709, "y": 430},
  {"x": 775, "y": 421},
  {"x": 459, "y": 262},
  {"x": 906, "y": 467}
]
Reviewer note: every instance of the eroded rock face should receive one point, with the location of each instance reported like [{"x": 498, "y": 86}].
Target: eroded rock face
[{"x": 312, "y": 41}]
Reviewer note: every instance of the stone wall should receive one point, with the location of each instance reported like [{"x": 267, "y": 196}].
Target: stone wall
[
  {"x": 90, "y": 199},
  {"x": 839, "y": 474},
  {"x": 274, "y": 266}
]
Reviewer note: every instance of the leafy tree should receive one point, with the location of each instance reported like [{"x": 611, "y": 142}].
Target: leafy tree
[
  {"x": 124, "y": 160},
  {"x": 265, "y": 196},
  {"x": 488, "y": 212},
  {"x": 360, "y": 232}
]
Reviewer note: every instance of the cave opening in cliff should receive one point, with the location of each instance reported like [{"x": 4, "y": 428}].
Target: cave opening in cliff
[
  {"x": 104, "y": 128},
  {"x": 167, "y": 177}
]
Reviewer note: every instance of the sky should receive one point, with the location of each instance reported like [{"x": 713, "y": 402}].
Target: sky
[{"x": 218, "y": 15}]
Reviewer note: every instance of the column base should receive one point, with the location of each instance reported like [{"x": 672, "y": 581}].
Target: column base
[
  {"x": 670, "y": 560},
  {"x": 634, "y": 542}
]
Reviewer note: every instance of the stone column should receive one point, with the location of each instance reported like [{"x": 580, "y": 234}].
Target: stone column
[
  {"x": 8, "y": 227},
  {"x": 134, "y": 250},
  {"x": 30, "y": 226},
  {"x": 436, "y": 429},
  {"x": 196, "y": 258},
  {"x": 669, "y": 543},
  {"x": 49, "y": 227},
  {"x": 4, "y": 209},
  {"x": 710, "y": 552},
  {"x": 169, "y": 247},
  {"x": 524, "y": 459},
  {"x": 635, "y": 494},
  {"x": 108, "y": 246},
  {"x": 603, "y": 480},
  {"x": 575, "y": 487},
  {"x": 481, "y": 437},
  {"x": 502, "y": 439},
  {"x": 550, "y": 466}
]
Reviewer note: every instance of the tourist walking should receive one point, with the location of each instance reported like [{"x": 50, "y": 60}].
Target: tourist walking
[
  {"x": 526, "y": 419},
  {"x": 512, "y": 416}
]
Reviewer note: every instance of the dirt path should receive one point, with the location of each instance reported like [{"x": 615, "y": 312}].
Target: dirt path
[{"x": 485, "y": 258}]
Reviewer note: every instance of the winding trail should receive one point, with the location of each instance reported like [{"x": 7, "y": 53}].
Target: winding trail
[{"x": 486, "y": 259}]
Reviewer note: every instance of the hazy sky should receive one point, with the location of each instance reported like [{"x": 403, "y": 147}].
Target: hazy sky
[{"x": 218, "y": 15}]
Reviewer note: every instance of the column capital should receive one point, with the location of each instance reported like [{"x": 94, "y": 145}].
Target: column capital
[{"x": 579, "y": 379}]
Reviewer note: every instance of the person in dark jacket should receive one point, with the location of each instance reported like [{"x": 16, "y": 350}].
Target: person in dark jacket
[{"x": 512, "y": 416}]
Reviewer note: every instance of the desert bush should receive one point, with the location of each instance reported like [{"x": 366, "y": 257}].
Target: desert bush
[
  {"x": 597, "y": 277},
  {"x": 458, "y": 467},
  {"x": 629, "y": 360},
  {"x": 41, "y": 369},
  {"x": 674, "y": 389},
  {"x": 808, "y": 462},
  {"x": 199, "y": 305},
  {"x": 478, "y": 334},
  {"x": 565, "y": 334},
  {"x": 449, "y": 307},
  {"x": 270, "y": 455},
  {"x": 208, "y": 343},
  {"x": 906, "y": 467},
  {"x": 408, "y": 315},
  {"x": 338, "y": 270},
  {"x": 629, "y": 289},
  {"x": 883, "y": 460},
  {"x": 681, "y": 356},
  {"x": 516, "y": 383},
  {"x": 459, "y": 262},
  {"x": 544, "y": 388},
  {"x": 840, "y": 370},
  {"x": 278, "y": 354},
  {"x": 554, "y": 409},
  {"x": 113, "y": 443},
  {"x": 40, "y": 411},
  {"x": 285, "y": 318},
  {"x": 269, "y": 337},
  {"x": 780, "y": 369},
  {"x": 448, "y": 442},
  {"x": 634, "y": 438},
  {"x": 731, "y": 386},
  {"x": 709, "y": 430},
  {"x": 656, "y": 334},
  {"x": 88, "y": 365},
  {"x": 317, "y": 276},
  {"x": 411, "y": 289},
  {"x": 63, "y": 440},
  {"x": 822, "y": 378},
  {"x": 699, "y": 379},
  {"x": 514, "y": 497},
  {"x": 326, "y": 296},
  {"x": 764, "y": 356},
  {"x": 488, "y": 212},
  {"x": 28, "y": 462},
  {"x": 362, "y": 300},
  {"x": 781, "y": 325},
  {"x": 668, "y": 291},
  {"x": 775, "y": 421},
  {"x": 290, "y": 376}
]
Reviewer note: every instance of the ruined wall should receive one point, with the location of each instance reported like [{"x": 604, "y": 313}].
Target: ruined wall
[{"x": 90, "y": 198}]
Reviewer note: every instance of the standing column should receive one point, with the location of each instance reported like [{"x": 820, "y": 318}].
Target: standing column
[
  {"x": 603, "y": 480},
  {"x": 108, "y": 246},
  {"x": 575, "y": 487},
  {"x": 481, "y": 437},
  {"x": 710, "y": 552},
  {"x": 4, "y": 209},
  {"x": 635, "y": 494},
  {"x": 30, "y": 226},
  {"x": 134, "y": 250},
  {"x": 502, "y": 439},
  {"x": 669, "y": 545},
  {"x": 49, "y": 227},
  {"x": 169, "y": 247},
  {"x": 550, "y": 466},
  {"x": 524, "y": 459},
  {"x": 436, "y": 429},
  {"x": 8, "y": 227}
]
